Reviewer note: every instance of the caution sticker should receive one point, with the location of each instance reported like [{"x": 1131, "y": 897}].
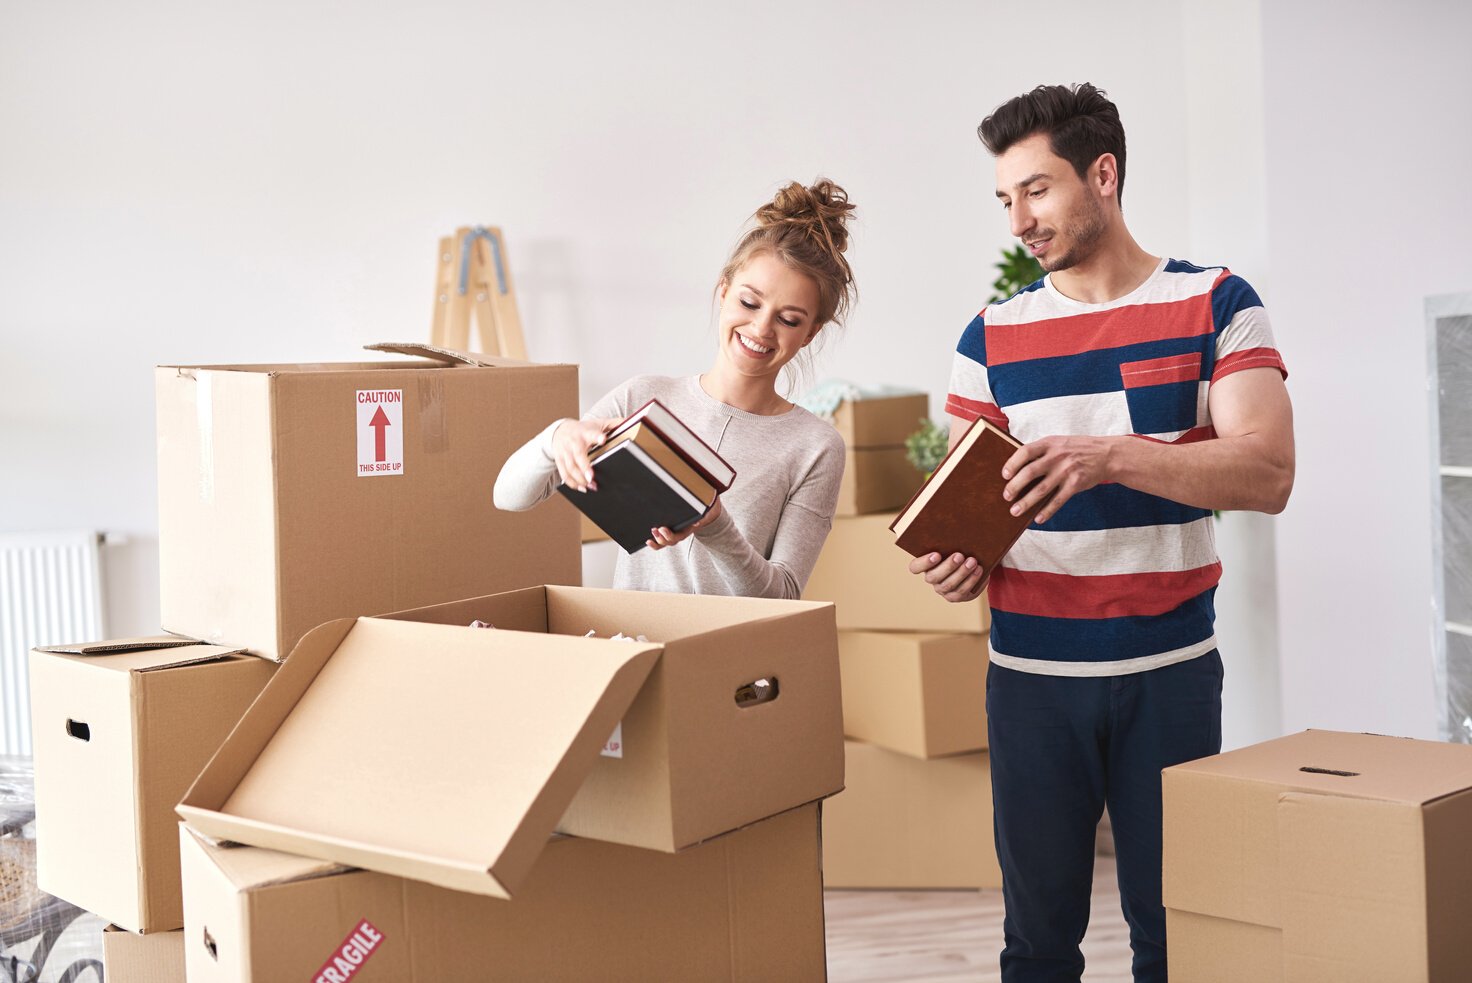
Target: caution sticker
[
  {"x": 380, "y": 432},
  {"x": 614, "y": 746}
]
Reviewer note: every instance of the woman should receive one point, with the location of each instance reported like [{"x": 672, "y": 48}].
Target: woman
[{"x": 785, "y": 282}]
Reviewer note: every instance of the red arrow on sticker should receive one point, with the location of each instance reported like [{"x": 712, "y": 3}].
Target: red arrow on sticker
[{"x": 379, "y": 422}]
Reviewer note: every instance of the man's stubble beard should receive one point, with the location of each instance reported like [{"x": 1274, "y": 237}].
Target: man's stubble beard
[{"x": 1084, "y": 231}]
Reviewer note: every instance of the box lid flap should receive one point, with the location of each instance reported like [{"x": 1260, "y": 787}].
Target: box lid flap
[
  {"x": 249, "y": 867},
  {"x": 437, "y": 752},
  {"x": 143, "y": 654},
  {"x": 119, "y": 645},
  {"x": 1364, "y": 766},
  {"x": 438, "y": 354}
]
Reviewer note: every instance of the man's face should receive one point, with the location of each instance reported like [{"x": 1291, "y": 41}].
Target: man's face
[{"x": 1056, "y": 214}]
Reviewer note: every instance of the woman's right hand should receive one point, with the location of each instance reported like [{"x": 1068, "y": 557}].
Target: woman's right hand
[{"x": 570, "y": 445}]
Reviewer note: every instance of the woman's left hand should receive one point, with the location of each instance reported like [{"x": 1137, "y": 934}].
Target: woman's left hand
[{"x": 665, "y": 536}]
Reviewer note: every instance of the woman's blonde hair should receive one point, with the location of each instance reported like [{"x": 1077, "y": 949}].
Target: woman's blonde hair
[{"x": 806, "y": 229}]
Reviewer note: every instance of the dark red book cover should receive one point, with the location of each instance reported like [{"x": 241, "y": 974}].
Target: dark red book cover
[{"x": 960, "y": 508}]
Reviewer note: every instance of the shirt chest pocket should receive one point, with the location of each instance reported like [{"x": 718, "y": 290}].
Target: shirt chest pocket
[{"x": 1163, "y": 393}]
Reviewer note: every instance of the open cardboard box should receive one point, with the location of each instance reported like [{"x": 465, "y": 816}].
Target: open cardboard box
[
  {"x": 122, "y": 728},
  {"x": 747, "y": 906},
  {"x": 489, "y": 738},
  {"x": 1321, "y": 857},
  {"x": 293, "y": 494}
]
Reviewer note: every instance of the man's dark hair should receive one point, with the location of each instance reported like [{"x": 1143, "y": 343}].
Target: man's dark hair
[{"x": 1080, "y": 121}]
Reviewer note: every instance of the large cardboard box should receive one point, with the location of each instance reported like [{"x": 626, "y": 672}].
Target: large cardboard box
[
  {"x": 1351, "y": 849},
  {"x": 745, "y": 907},
  {"x": 491, "y": 738},
  {"x": 290, "y": 495},
  {"x": 129, "y": 958},
  {"x": 121, "y": 729},
  {"x": 868, "y": 579},
  {"x": 922, "y": 694},
  {"x": 903, "y": 822},
  {"x": 883, "y": 421},
  {"x": 876, "y": 479}
]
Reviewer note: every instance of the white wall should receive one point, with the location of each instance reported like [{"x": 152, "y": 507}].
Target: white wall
[
  {"x": 193, "y": 183},
  {"x": 1227, "y": 207},
  {"x": 1369, "y": 142}
]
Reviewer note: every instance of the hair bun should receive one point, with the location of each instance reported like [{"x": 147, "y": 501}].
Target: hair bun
[{"x": 820, "y": 211}]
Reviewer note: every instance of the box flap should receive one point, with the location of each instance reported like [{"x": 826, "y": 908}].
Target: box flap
[
  {"x": 119, "y": 645},
  {"x": 435, "y": 752},
  {"x": 438, "y": 354},
  {"x": 248, "y": 868},
  {"x": 123, "y": 656},
  {"x": 1362, "y": 766}
]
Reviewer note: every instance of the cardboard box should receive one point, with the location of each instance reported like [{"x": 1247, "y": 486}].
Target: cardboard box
[
  {"x": 918, "y": 693},
  {"x": 868, "y": 578},
  {"x": 290, "y": 495},
  {"x": 497, "y": 735},
  {"x": 903, "y": 822},
  {"x": 745, "y": 907},
  {"x": 876, "y": 479},
  {"x": 129, "y": 958},
  {"x": 121, "y": 729},
  {"x": 883, "y": 421},
  {"x": 1203, "y": 949},
  {"x": 1354, "y": 846}
]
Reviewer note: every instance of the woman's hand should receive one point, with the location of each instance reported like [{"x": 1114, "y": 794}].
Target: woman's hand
[
  {"x": 570, "y": 445},
  {"x": 664, "y": 536}
]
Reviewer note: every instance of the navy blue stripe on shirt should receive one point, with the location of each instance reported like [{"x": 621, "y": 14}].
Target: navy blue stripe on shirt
[
  {"x": 1230, "y": 296},
  {"x": 1105, "y": 639},
  {"x": 1085, "y": 373},
  {"x": 1118, "y": 507}
]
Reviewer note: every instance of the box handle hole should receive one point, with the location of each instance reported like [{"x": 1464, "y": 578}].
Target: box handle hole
[
  {"x": 756, "y": 692},
  {"x": 209, "y": 944},
  {"x": 1330, "y": 771},
  {"x": 78, "y": 730}
]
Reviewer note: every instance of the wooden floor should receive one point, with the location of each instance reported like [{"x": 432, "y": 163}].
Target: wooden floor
[{"x": 947, "y": 936}]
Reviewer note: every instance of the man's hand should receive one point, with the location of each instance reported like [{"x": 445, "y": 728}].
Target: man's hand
[
  {"x": 665, "y": 536},
  {"x": 570, "y": 445},
  {"x": 1056, "y": 468},
  {"x": 956, "y": 578}
]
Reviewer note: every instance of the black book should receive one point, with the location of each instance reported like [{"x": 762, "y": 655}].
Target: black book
[{"x": 634, "y": 495}]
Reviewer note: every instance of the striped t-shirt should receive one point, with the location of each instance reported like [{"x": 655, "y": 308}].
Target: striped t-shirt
[{"x": 1118, "y": 581}]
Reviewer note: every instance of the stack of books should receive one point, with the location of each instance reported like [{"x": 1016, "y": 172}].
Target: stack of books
[{"x": 652, "y": 471}]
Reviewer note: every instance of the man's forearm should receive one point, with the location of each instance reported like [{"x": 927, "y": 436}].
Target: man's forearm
[{"x": 1242, "y": 473}]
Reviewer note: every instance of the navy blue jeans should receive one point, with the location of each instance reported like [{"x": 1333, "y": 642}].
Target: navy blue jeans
[{"x": 1062, "y": 748}]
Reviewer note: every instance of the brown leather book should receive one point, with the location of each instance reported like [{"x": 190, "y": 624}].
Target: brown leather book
[{"x": 960, "y": 508}]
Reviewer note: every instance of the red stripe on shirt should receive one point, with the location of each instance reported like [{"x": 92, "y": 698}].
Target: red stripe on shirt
[
  {"x": 970, "y": 409},
  {"x": 1191, "y": 436},
  {"x": 1249, "y": 358},
  {"x": 1079, "y": 333},
  {"x": 1161, "y": 371},
  {"x": 1058, "y": 595}
]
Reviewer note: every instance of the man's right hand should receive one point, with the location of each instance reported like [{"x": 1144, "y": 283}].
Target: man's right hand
[
  {"x": 570, "y": 445},
  {"x": 956, "y": 578}
]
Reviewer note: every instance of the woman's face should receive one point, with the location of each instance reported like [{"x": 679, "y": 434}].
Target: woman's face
[{"x": 767, "y": 316}]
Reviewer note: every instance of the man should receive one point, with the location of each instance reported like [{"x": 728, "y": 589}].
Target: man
[{"x": 1147, "y": 392}]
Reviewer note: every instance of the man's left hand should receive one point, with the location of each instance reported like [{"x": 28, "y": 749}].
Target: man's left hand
[{"x": 1056, "y": 468}]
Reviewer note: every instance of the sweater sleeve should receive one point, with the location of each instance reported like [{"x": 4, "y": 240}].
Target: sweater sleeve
[
  {"x": 807, "y": 516},
  {"x": 529, "y": 476}
]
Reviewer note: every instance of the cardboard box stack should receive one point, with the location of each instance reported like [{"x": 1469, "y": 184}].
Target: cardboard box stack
[
  {"x": 877, "y": 476},
  {"x": 1321, "y": 857},
  {"x": 916, "y": 812},
  {"x": 651, "y": 806}
]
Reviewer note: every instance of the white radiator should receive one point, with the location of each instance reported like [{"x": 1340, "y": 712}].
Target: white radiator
[{"x": 50, "y": 594}]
